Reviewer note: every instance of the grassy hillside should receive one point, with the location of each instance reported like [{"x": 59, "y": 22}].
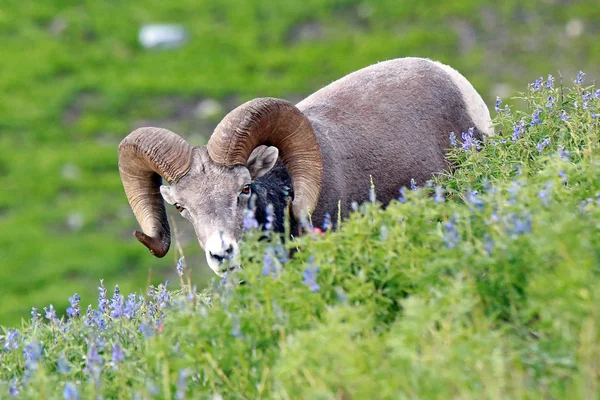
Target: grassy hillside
[
  {"x": 74, "y": 81},
  {"x": 484, "y": 284}
]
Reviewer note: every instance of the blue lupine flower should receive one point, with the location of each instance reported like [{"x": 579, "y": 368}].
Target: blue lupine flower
[
  {"x": 563, "y": 177},
  {"x": 70, "y": 392},
  {"x": 579, "y": 80},
  {"x": 452, "y": 138},
  {"x": 11, "y": 341},
  {"x": 542, "y": 144},
  {"x": 179, "y": 266},
  {"x": 497, "y": 106},
  {"x": 451, "y": 235},
  {"x": 32, "y": 353},
  {"x": 564, "y": 116},
  {"x": 117, "y": 355},
  {"x": 475, "y": 200},
  {"x": 520, "y": 224},
  {"x": 35, "y": 315},
  {"x": 439, "y": 194},
  {"x": 327, "y": 225},
  {"x": 535, "y": 117},
  {"x": 93, "y": 364},
  {"x": 564, "y": 154},
  {"x": 182, "y": 384},
  {"x": 116, "y": 303},
  {"x": 468, "y": 141},
  {"x": 518, "y": 131},
  {"x": 102, "y": 300},
  {"x": 281, "y": 253},
  {"x": 269, "y": 263},
  {"x": 413, "y": 184},
  {"x": 594, "y": 116},
  {"x": 402, "y": 197},
  {"x": 537, "y": 85},
  {"x": 51, "y": 314},
  {"x": 597, "y": 94},
  {"x": 546, "y": 193},
  {"x": 250, "y": 221},
  {"x": 160, "y": 295},
  {"x": 550, "y": 101},
  {"x": 550, "y": 82},
  {"x": 74, "y": 310},
  {"x": 131, "y": 306},
  {"x": 146, "y": 329},
  {"x": 513, "y": 190},
  {"x": 13, "y": 387},
  {"x": 270, "y": 216},
  {"x": 309, "y": 276},
  {"x": 63, "y": 365}
]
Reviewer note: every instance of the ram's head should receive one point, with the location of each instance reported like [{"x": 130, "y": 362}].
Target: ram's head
[{"x": 211, "y": 185}]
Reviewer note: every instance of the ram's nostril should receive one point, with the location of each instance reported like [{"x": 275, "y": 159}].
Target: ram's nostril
[
  {"x": 217, "y": 257},
  {"x": 229, "y": 251}
]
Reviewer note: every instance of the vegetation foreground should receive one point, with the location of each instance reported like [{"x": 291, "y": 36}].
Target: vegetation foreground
[{"x": 484, "y": 284}]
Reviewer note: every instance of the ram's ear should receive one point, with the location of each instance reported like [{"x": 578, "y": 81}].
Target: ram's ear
[
  {"x": 262, "y": 159},
  {"x": 165, "y": 191}
]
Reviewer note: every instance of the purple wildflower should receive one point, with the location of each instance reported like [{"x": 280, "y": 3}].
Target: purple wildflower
[
  {"x": 179, "y": 266},
  {"x": 519, "y": 224},
  {"x": 116, "y": 303},
  {"x": 546, "y": 193},
  {"x": 550, "y": 101},
  {"x": 498, "y": 103},
  {"x": 579, "y": 80},
  {"x": 102, "y": 300},
  {"x": 63, "y": 365},
  {"x": 597, "y": 94},
  {"x": 131, "y": 306},
  {"x": 550, "y": 82},
  {"x": 439, "y": 194},
  {"x": 281, "y": 253},
  {"x": 452, "y": 138},
  {"x": 74, "y": 310},
  {"x": 118, "y": 355},
  {"x": 182, "y": 384},
  {"x": 564, "y": 116},
  {"x": 518, "y": 131},
  {"x": 473, "y": 198},
  {"x": 327, "y": 225},
  {"x": 402, "y": 197},
  {"x": 537, "y": 85},
  {"x": 51, "y": 314},
  {"x": 513, "y": 190},
  {"x": 70, "y": 392},
  {"x": 535, "y": 118},
  {"x": 270, "y": 266},
  {"x": 270, "y": 216},
  {"x": 35, "y": 315},
  {"x": 413, "y": 184},
  {"x": 250, "y": 221},
  {"x": 11, "y": 341},
  {"x": 93, "y": 364},
  {"x": 13, "y": 387},
  {"x": 542, "y": 144},
  {"x": 451, "y": 235},
  {"x": 468, "y": 141},
  {"x": 160, "y": 295},
  {"x": 309, "y": 276},
  {"x": 564, "y": 154},
  {"x": 146, "y": 329},
  {"x": 563, "y": 177},
  {"x": 32, "y": 353}
]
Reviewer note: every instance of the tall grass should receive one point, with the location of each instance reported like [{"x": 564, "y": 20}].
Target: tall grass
[{"x": 483, "y": 284}]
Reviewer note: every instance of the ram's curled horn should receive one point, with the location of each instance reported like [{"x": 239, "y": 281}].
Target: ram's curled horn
[
  {"x": 145, "y": 155},
  {"x": 273, "y": 122}
]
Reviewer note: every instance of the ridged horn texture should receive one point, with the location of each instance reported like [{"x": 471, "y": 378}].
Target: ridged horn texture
[
  {"x": 273, "y": 122},
  {"x": 145, "y": 155}
]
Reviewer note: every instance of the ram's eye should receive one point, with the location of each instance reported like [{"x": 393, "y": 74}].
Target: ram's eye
[
  {"x": 246, "y": 189},
  {"x": 179, "y": 207}
]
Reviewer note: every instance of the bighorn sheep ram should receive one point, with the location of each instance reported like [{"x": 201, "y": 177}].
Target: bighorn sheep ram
[{"x": 390, "y": 121}]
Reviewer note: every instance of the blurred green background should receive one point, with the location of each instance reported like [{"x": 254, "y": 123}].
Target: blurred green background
[{"x": 74, "y": 80}]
